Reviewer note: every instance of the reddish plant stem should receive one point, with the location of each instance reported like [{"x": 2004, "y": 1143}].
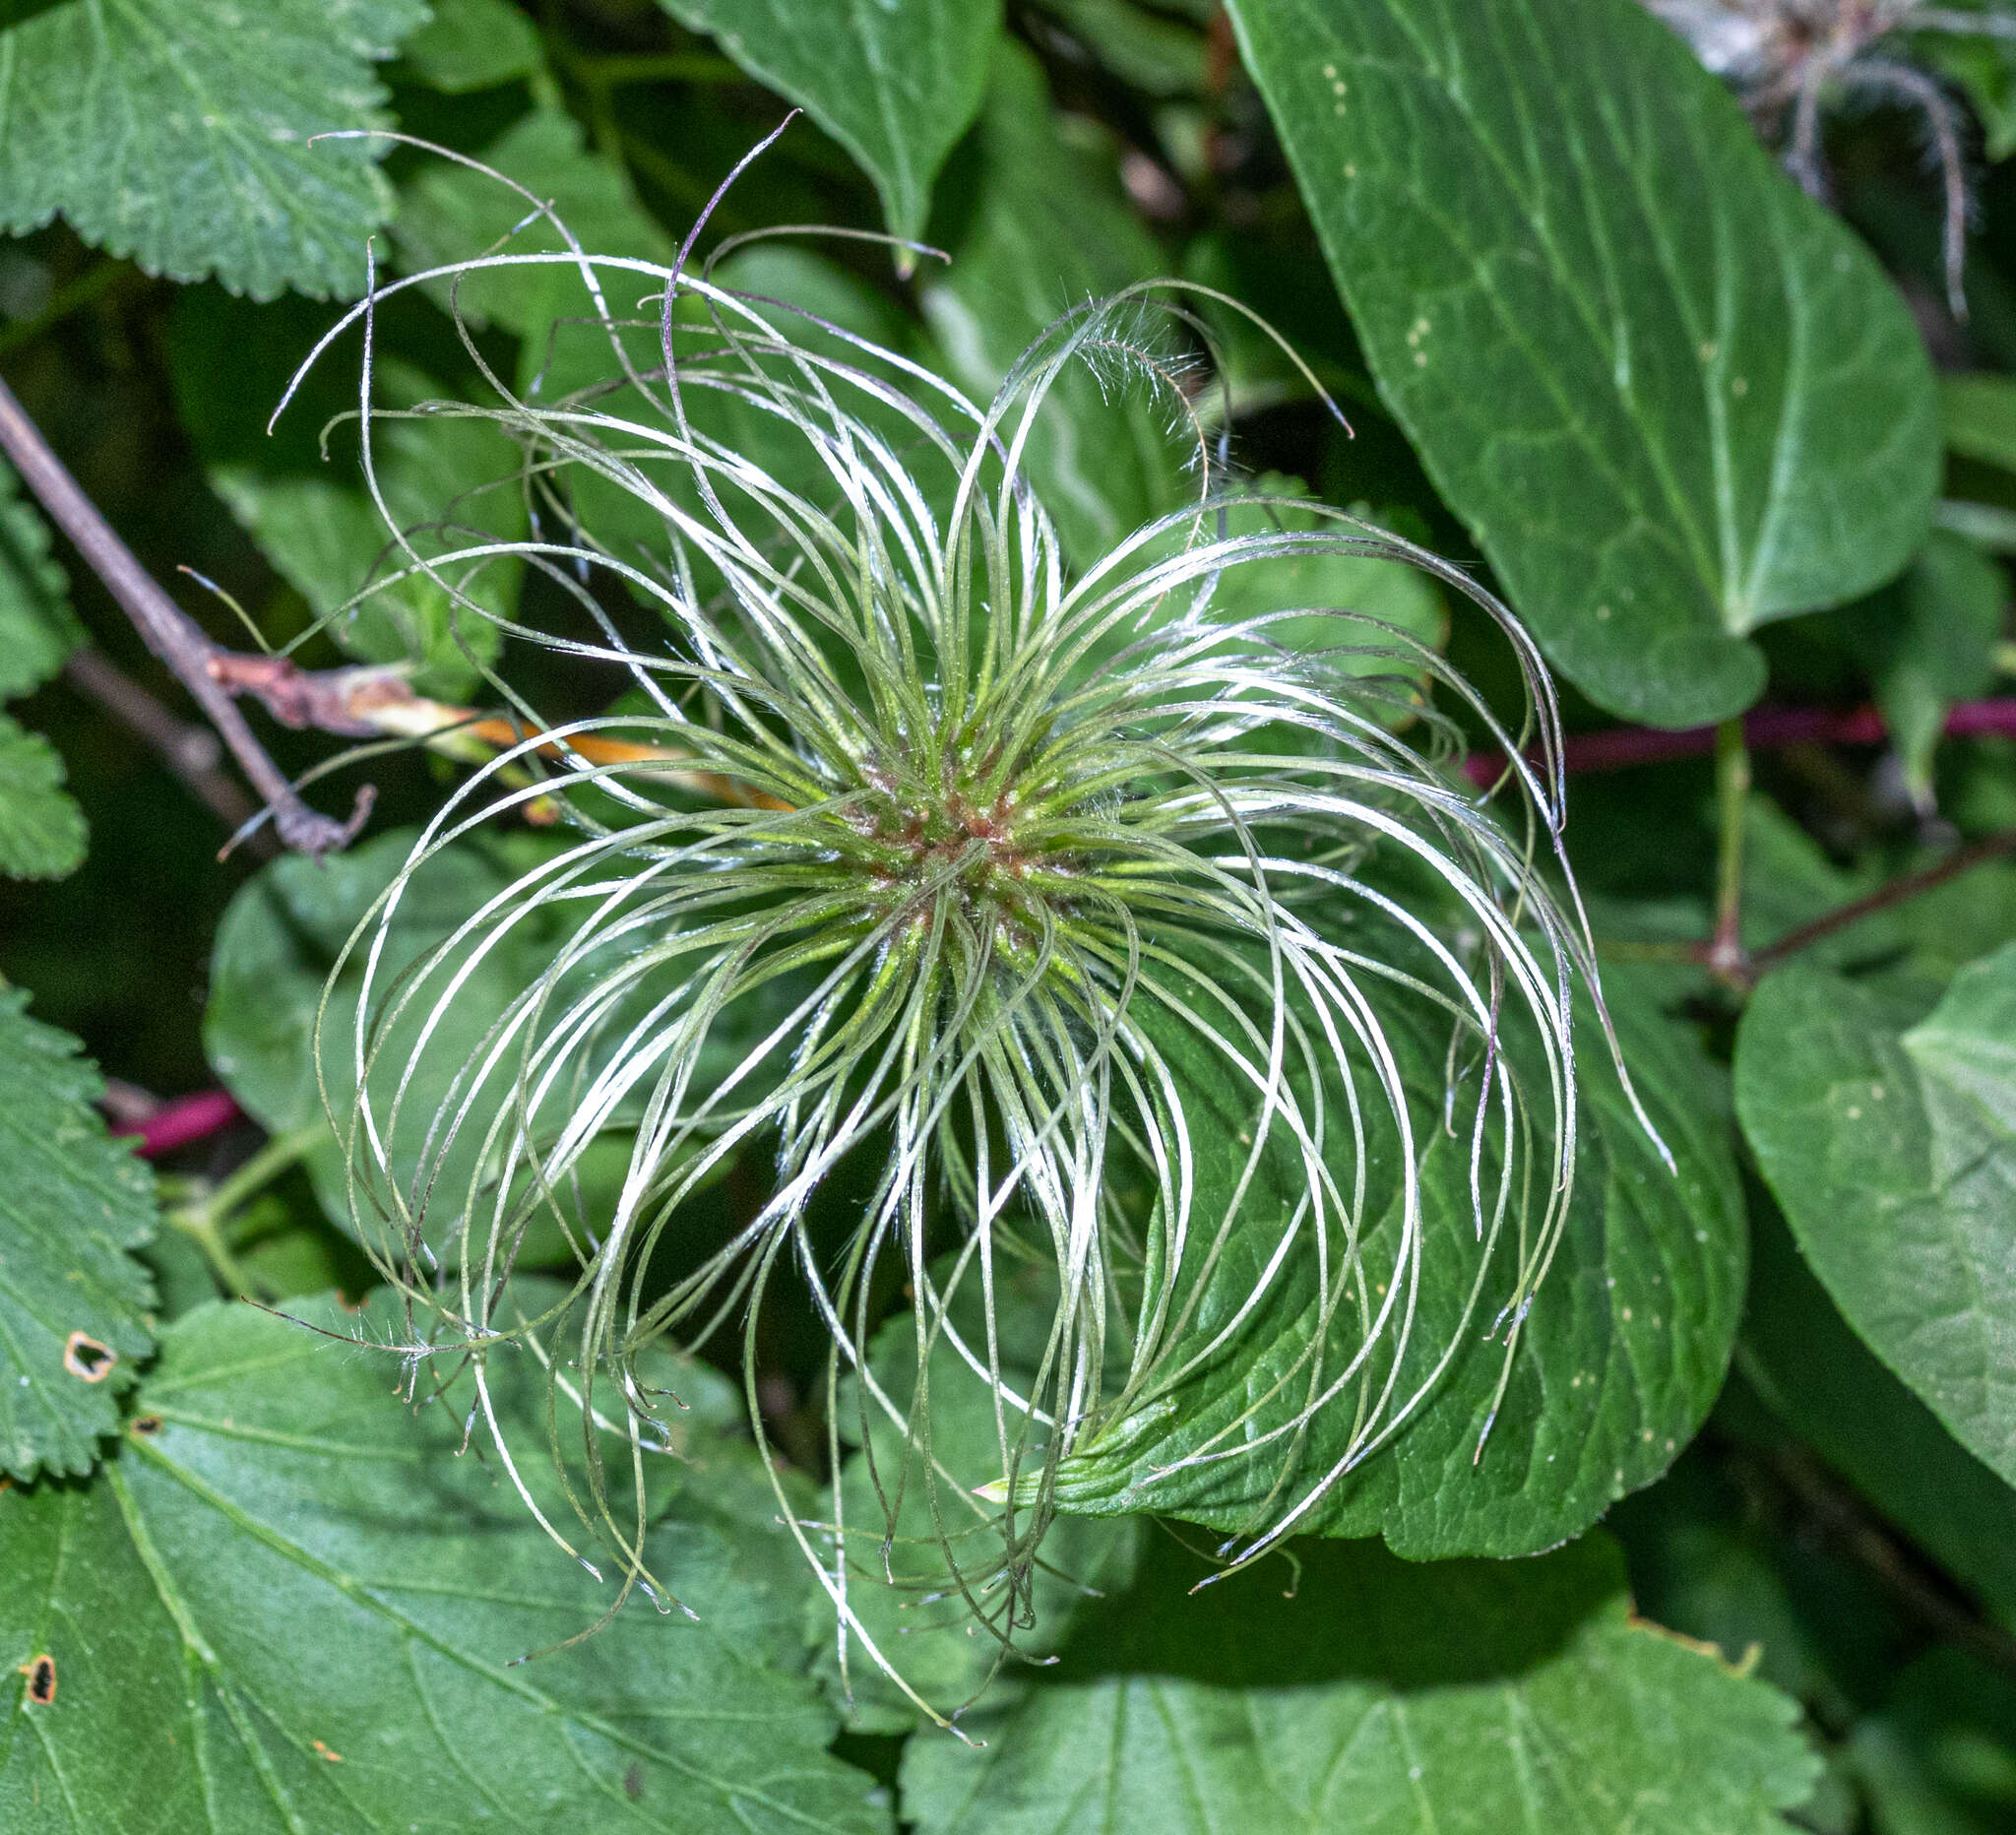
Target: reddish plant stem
[
  {"x": 1766, "y": 729},
  {"x": 182, "y": 1122},
  {"x": 1618, "y": 748},
  {"x": 211, "y": 673},
  {"x": 1975, "y": 854}
]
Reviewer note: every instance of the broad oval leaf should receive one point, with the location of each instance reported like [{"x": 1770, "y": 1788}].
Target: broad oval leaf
[
  {"x": 1831, "y": 1391},
  {"x": 1620, "y": 1359},
  {"x": 1460, "y": 1699},
  {"x": 1893, "y": 1154},
  {"x": 1672, "y": 396},
  {"x": 177, "y": 132},
  {"x": 288, "y": 1605},
  {"x": 896, "y": 82},
  {"x": 73, "y": 1301},
  {"x": 1042, "y": 225},
  {"x": 280, "y": 941}
]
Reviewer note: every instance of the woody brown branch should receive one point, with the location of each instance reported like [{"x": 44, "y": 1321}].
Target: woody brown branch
[{"x": 203, "y": 666}]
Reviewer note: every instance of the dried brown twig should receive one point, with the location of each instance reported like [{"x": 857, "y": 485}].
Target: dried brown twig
[
  {"x": 211, "y": 673},
  {"x": 192, "y": 752},
  {"x": 373, "y": 703},
  {"x": 1786, "y": 56}
]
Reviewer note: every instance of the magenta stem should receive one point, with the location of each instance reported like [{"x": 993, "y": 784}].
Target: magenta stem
[
  {"x": 192, "y": 1118},
  {"x": 183, "y": 1122},
  {"x": 1617, "y": 748}
]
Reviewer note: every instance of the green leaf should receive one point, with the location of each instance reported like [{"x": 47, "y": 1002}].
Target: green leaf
[
  {"x": 1788, "y": 883},
  {"x": 1894, "y": 1155},
  {"x": 286, "y": 1604},
  {"x": 1949, "y": 927},
  {"x": 1984, "y": 65},
  {"x": 1930, "y": 641},
  {"x": 1359, "y": 1692},
  {"x": 1620, "y": 1359},
  {"x": 280, "y": 937},
  {"x": 72, "y": 1301},
  {"x": 1672, "y": 396},
  {"x": 42, "y": 831},
  {"x": 1796, "y": 1608},
  {"x": 1045, "y": 229},
  {"x": 20, "y": 12},
  {"x": 1139, "y": 47},
  {"x": 1391, "y": 591},
  {"x": 37, "y": 628},
  {"x": 920, "y": 1624},
  {"x": 896, "y": 82},
  {"x": 177, "y": 132},
  {"x": 451, "y": 214},
  {"x": 1809, "y": 1369},
  {"x": 451, "y": 482},
  {"x": 564, "y": 354},
  {"x": 1940, "y": 1757},
  {"x": 1979, "y": 413},
  {"x": 472, "y": 44},
  {"x": 276, "y": 948}
]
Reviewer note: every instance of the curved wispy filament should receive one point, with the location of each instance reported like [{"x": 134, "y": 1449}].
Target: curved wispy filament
[{"x": 1039, "y": 889}]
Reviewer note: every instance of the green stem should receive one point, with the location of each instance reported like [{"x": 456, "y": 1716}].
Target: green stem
[
  {"x": 1732, "y": 797},
  {"x": 667, "y": 175},
  {"x": 65, "y": 301},
  {"x": 200, "y": 1229},
  {"x": 265, "y": 1166},
  {"x": 206, "y": 1219},
  {"x": 615, "y": 71}
]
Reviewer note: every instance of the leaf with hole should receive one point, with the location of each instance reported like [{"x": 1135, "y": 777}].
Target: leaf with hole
[
  {"x": 73, "y": 1301},
  {"x": 287, "y": 1604},
  {"x": 1672, "y": 396}
]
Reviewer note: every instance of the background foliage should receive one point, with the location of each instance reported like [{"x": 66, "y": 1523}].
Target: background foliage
[{"x": 1727, "y": 451}]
